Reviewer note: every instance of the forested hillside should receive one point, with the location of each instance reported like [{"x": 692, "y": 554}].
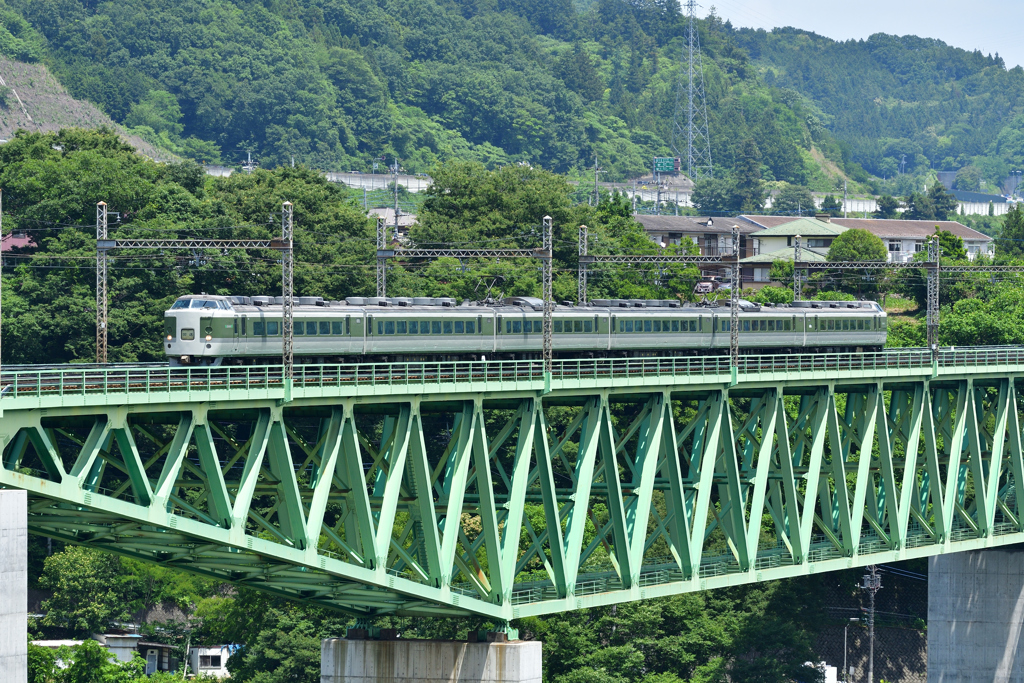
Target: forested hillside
[
  {"x": 335, "y": 83},
  {"x": 888, "y": 96}
]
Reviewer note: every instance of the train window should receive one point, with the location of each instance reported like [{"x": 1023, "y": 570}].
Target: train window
[
  {"x": 746, "y": 325},
  {"x": 577, "y": 325},
  {"x": 625, "y": 326},
  {"x": 771, "y": 325},
  {"x": 470, "y": 327},
  {"x": 557, "y": 326},
  {"x": 188, "y": 334},
  {"x": 517, "y": 326},
  {"x": 181, "y": 303},
  {"x": 460, "y": 327},
  {"x": 300, "y": 329},
  {"x": 725, "y": 326},
  {"x": 337, "y": 327},
  {"x": 860, "y": 324},
  {"x": 257, "y": 330},
  {"x": 657, "y": 326},
  {"x": 414, "y": 327},
  {"x": 639, "y": 326},
  {"x": 435, "y": 327},
  {"x": 846, "y": 324},
  {"x": 675, "y": 325},
  {"x": 401, "y": 326},
  {"x": 447, "y": 326},
  {"x": 310, "y": 329},
  {"x": 273, "y": 329},
  {"x": 588, "y": 325},
  {"x": 647, "y": 326},
  {"x": 389, "y": 327},
  {"x": 786, "y": 323},
  {"x": 203, "y": 303}
]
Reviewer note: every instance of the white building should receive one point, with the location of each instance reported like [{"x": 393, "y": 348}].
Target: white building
[{"x": 210, "y": 661}]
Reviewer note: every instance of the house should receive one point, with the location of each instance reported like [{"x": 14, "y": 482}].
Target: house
[
  {"x": 158, "y": 656},
  {"x": 776, "y": 233},
  {"x": 210, "y": 661},
  {"x": 979, "y": 204},
  {"x": 903, "y": 238},
  {"x": 712, "y": 235},
  {"x": 760, "y": 265},
  {"x": 906, "y": 238},
  {"x": 405, "y": 221}
]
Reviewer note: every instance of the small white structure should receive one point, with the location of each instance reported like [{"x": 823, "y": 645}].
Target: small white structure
[{"x": 210, "y": 661}]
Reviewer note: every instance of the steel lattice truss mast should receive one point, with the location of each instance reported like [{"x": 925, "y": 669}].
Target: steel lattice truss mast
[{"x": 509, "y": 503}]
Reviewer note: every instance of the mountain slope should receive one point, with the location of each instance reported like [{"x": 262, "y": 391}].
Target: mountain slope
[{"x": 33, "y": 100}]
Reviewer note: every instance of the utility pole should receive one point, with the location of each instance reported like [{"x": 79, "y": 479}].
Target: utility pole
[
  {"x": 101, "y": 285},
  {"x": 382, "y": 264},
  {"x": 582, "y": 278},
  {"x": 597, "y": 169},
  {"x": 797, "y": 280},
  {"x": 844, "y": 198},
  {"x": 872, "y": 583},
  {"x": 734, "y": 303},
  {"x": 547, "y": 258},
  {"x": 396, "y": 198},
  {"x": 934, "y": 255},
  {"x": 846, "y": 669},
  {"x": 287, "y": 281}
]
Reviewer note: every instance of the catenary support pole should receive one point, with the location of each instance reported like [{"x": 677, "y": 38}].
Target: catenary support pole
[
  {"x": 101, "y": 284},
  {"x": 797, "y": 279},
  {"x": 734, "y": 306},
  {"x": 549, "y": 304},
  {"x": 933, "y": 299},
  {"x": 287, "y": 292},
  {"x": 582, "y": 283},
  {"x": 382, "y": 264}
]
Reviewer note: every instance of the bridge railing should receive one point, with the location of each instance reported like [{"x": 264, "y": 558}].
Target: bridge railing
[{"x": 72, "y": 380}]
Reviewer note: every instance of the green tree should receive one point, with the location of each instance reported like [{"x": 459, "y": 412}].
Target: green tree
[
  {"x": 856, "y": 244},
  {"x": 794, "y": 200},
  {"x": 577, "y": 71},
  {"x": 968, "y": 179},
  {"x": 936, "y": 205},
  {"x": 713, "y": 196},
  {"x": 951, "y": 246},
  {"x": 888, "y": 207},
  {"x": 832, "y": 206},
  {"x": 90, "y": 589},
  {"x": 749, "y": 190},
  {"x": 1011, "y": 237}
]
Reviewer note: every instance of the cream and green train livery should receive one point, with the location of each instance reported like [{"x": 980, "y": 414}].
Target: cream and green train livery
[{"x": 236, "y": 330}]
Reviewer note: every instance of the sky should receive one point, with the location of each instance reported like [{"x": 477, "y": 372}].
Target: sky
[{"x": 988, "y": 25}]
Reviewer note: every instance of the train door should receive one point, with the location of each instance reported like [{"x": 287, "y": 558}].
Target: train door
[{"x": 236, "y": 334}]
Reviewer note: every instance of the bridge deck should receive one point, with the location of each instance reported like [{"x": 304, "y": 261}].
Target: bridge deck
[{"x": 482, "y": 488}]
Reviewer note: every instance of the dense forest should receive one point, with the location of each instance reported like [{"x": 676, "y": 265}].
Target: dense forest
[{"x": 337, "y": 84}]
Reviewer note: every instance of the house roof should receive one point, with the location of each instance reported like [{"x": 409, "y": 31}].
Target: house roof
[
  {"x": 766, "y": 221},
  {"x": 693, "y": 224},
  {"x": 785, "y": 254},
  {"x": 964, "y": 196},
  {"x": 889, "y": 228},
  {"x": 805, "y": 227}
]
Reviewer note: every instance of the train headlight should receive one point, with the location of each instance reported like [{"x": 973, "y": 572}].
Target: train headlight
[
  {"x": 209, "y": 338},
  {"x": 169, "y": 337}
]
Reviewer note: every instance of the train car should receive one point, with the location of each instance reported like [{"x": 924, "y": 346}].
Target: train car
[{"x": 207, "y": 330}]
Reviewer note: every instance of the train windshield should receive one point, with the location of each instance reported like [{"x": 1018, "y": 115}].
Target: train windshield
[{"x": 200, "y": 303}]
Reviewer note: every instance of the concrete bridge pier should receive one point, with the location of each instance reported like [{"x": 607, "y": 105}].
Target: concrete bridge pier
[
  {"x": 346, "y": 660},
  {"x": 13, "y": 586},
  {"x": 975, "y": 617}
]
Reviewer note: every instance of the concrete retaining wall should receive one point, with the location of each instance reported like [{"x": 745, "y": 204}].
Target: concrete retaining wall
[
  {"x": 975, "y": 615},
  {"x": 429, "y": 661},
  {"x": 13, "y": 586}
]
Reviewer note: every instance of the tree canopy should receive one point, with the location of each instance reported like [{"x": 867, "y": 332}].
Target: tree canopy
[{"x": 856, "y": 244}]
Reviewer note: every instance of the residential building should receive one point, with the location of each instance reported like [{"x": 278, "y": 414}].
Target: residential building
[
  {"x": 712, "y": 235},
  {"x": 405, "y": 221},
  {"x": 210, "y": 661},
  {"x": 903, "y": 238},
  {"x": 124, "y": 646},
  {"x": 760, "y": 265}
]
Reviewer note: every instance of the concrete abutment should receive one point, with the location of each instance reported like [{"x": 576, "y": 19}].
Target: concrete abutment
[
  {"x": 13, "y": 586},
  {"x": 429, "y": 661}
]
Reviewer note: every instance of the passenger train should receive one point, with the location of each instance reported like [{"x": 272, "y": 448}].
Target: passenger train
[{"x": 204, "y": 330}]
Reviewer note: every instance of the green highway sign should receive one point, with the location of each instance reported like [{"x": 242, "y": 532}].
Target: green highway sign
[{"x": 666, "y": 165}]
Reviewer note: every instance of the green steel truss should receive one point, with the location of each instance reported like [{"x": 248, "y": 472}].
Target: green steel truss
[{"x": 439, "y": 491}]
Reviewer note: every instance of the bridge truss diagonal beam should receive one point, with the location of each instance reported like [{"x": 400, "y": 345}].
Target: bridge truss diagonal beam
[{"x": 509, "y": 503}]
